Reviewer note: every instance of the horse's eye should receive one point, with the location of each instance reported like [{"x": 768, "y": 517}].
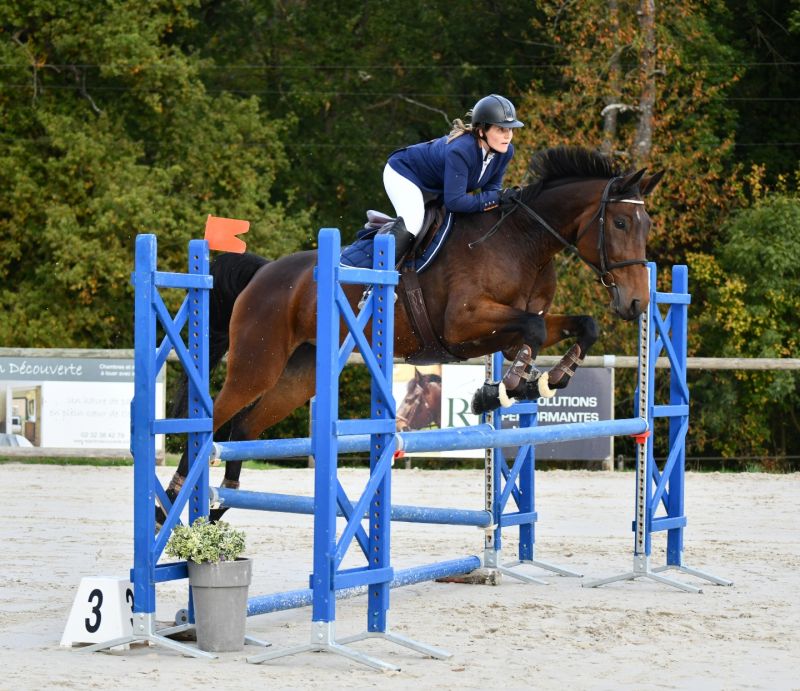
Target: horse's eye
[{"x": 621, "y": 222}]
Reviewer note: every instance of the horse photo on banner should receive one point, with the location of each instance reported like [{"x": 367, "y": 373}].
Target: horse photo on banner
[{"x": 418, "y": 394}]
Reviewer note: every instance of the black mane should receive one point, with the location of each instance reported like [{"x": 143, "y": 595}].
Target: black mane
[{"x": 558, "y": 164}]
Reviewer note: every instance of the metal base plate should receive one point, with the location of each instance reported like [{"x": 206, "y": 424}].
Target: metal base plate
[
  {"x": 641, "y": 569},
  {"x": 145, "y": 631},
  {"x": 323, "y": 639}
]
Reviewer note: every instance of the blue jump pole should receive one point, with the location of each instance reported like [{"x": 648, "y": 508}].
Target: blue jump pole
[
  {"x": 303, "y": 597},
  {"x": 288, "y": 503},
  {"x": 448, "y": 439}
]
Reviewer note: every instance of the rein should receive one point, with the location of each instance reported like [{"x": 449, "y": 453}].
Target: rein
[{"x": 605, "y": 267}]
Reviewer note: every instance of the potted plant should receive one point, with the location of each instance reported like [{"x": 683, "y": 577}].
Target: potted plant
[{"x": 219, "y": 578}]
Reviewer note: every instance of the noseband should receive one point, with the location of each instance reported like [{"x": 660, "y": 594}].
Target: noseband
[{"x": 605, "y": 267}]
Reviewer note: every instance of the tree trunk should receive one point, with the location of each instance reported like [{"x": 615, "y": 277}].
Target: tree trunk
[
  {"x": 614, "y": 96},
  {"x": 647, "y": 66}
]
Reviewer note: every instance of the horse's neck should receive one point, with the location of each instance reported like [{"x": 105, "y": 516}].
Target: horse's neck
[{"x": 563, "y": 208}]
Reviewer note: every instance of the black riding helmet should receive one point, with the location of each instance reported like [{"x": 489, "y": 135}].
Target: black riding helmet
[{"x": 495, "y": 110}]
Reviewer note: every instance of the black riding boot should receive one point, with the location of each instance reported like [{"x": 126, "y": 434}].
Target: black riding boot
[{"x": 403, "y": 240}]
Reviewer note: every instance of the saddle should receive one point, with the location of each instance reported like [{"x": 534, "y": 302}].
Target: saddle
[
  {"x": 435, "y": 215},
  {"x": 435, "y": 226}
]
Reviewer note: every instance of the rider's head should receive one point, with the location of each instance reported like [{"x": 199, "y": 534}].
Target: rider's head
[
  {"x": 494, "y": 110},
  {"x": 493, "y": 118}
]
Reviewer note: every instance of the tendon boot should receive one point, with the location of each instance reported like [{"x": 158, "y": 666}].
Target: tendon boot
[
  {"x": 403, "y": 240},
  {"x": 520, "y": 372}
]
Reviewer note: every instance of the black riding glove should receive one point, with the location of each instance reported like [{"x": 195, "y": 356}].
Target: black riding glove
[{"x": 509, "y": 198}]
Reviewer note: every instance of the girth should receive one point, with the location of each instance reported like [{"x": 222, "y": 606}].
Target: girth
[{"x": 431, "y": 350}]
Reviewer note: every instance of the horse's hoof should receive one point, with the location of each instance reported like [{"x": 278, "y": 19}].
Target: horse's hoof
[
  {"x": 486, "y": 399},
  {"x": 160, "y": 518},
  {"x": 216, "y": 514},
  {"x": 544, "y": 386},
  {"x": 161, "y": 515}
]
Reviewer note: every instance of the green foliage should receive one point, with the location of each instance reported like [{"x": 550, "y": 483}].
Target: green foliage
[
  {"x": 749, "y": 296},
  {"x": 109, "y": 131},
  {"x": 362, "y": 79},
  {"x": 206, "y": 542},
  {"x": 119, "y": 118}
]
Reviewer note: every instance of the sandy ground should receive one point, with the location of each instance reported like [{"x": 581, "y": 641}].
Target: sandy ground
[{"x": 64, "y": 523}]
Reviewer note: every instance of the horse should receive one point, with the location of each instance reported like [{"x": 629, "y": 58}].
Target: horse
[
  {"x": 490, "y": 289},
  {"x": 422, "y": 404}
]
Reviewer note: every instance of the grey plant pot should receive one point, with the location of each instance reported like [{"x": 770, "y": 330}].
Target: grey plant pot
[{"x": 219, "y": 591}]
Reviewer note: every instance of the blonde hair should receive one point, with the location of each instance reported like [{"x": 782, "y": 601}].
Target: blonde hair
[{"x": 459, "y": 128}]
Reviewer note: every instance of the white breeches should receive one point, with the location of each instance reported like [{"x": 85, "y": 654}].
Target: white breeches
[{"x": 406, "y": 197}]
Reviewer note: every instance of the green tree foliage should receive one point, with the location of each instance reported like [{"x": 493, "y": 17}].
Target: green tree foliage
[
  {"x": 109, "y": 131},
  {"x": 362, "y": 79},
  {"x": 691, "y": 125},
  {"x": 766, "y": 34},
  {"x": 751, "y": 295},
  {"x": 119, "y": 118}
]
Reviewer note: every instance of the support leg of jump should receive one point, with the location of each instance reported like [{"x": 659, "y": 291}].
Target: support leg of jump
[
  {"x": 399, "y": 639},
  {"x": 323, "y": 639},
  {"x": 546, "y": 566},
  {"x": 716, "y": 580},
  {"x": 491, "y": 560},
  {"x": 144, "y": 631},
  {"x": 641, "y": 569}
]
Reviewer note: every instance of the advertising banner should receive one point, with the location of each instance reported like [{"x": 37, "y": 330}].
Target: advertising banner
[
  {"x": 439, "y": 396},
  {"x": 71, "y": 402}
]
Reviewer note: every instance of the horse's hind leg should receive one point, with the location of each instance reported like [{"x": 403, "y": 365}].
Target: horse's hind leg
[
  {"x": 243, "y": 385},
  {"x": 294, "y": 387}
]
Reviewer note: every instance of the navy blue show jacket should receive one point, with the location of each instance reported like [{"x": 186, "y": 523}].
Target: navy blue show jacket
[{"x": 451, "y": 171}]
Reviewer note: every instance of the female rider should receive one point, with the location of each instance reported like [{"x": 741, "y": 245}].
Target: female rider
[{"x": 472, "y": 157}]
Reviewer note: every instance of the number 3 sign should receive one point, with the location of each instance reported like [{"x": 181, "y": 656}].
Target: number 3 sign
[{"x": 102, "y": 611}]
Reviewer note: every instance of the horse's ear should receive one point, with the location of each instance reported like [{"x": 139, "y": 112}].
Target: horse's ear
[
  {"x": 629, "y": 182},
  {"x": 648, "y": 183},
  {"x": 417, "y": 375}
]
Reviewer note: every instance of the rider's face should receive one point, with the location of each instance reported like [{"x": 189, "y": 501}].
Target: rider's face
[{"x": 499, "y": 137}]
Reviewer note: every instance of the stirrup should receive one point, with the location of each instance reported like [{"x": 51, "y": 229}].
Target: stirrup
[{"x": 365, "y": 296}]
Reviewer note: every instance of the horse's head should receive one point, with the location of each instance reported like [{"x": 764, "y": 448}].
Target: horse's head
[
  {"x": 421, "y": 405},
  {"x": 613, "y": 240}
]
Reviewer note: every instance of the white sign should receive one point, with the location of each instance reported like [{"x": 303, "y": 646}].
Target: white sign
[
  {"x": 72, "y": 403},
  {"x": 589, "y": 397}
]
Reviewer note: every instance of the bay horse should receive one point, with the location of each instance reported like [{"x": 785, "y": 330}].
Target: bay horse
[
  {"x": 422, "y": 404},
  {"x": 490, "y": 289}
]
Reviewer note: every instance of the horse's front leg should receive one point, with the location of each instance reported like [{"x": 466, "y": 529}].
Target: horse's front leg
[
  {"x": 560, "y": 327},
  {"x": 519, "y": 380}
]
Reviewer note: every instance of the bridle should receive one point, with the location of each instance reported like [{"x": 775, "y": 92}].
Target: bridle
[{"x": 606, "y": 267}]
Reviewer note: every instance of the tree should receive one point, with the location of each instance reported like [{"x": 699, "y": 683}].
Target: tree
[
  {"x": 751, "y": 293},
  {"x": 109, "y": 132},
  {"x": 359, "y": 80}
]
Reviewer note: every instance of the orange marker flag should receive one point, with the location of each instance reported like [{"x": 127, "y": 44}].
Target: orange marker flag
[{"x": 221, "y": 234}]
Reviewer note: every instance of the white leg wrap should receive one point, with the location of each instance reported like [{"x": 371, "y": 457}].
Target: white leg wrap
[
  {"x": 505, "y": 401},
  {"x": 544, "y": 388}
]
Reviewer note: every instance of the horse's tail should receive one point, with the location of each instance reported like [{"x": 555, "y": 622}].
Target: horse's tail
[{"x": 232, "y": 273}]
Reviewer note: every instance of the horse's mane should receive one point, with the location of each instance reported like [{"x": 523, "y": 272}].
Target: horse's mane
[{"x": 551, "y": 166}]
